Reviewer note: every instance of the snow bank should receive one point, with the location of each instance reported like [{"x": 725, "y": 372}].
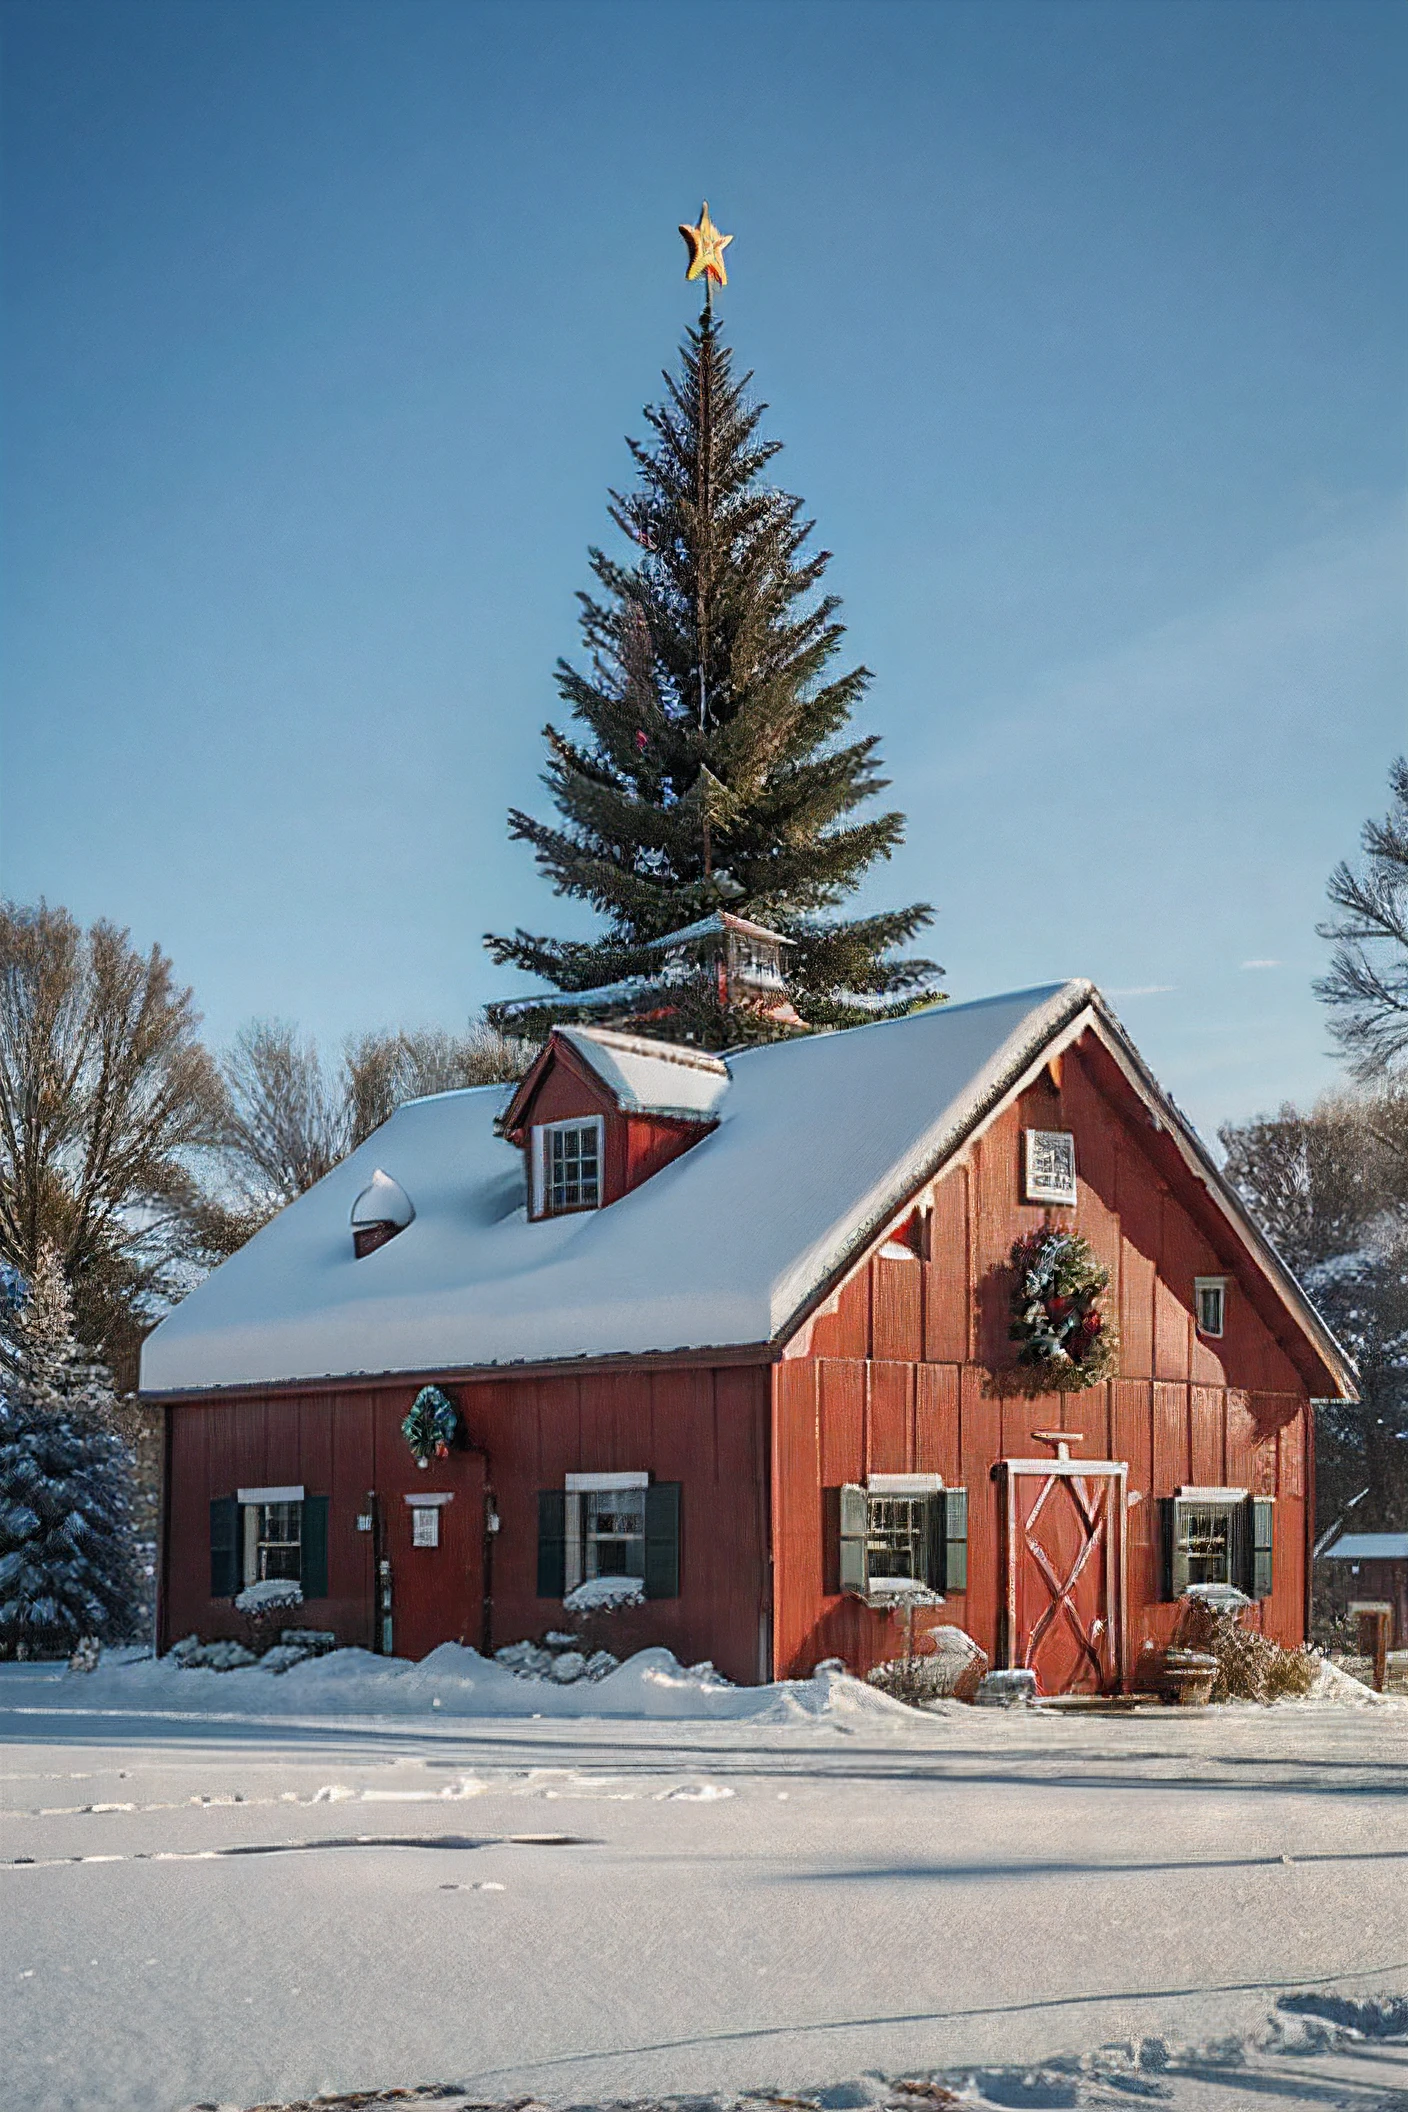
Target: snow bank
[{"x": 456, "y": 1681}]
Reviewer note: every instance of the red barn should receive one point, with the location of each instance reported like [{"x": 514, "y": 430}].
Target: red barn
[{"x": 738, "y": 1329}]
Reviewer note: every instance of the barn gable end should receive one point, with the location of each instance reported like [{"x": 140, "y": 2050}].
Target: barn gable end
[{"x": 900, "y": 1370}]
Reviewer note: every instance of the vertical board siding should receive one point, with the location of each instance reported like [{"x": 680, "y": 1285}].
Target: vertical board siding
[
  {"x": 947, "y": 1300},
  {"x": 706, "y": 1430},
  {"x": 899, "y": 1309},
  {"x": 1182, "y": 1410}
]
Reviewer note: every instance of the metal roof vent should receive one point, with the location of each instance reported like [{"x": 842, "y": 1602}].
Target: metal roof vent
[{"x": 381, "y": 1211}]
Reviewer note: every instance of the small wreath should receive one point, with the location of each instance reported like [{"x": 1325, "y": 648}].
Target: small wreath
[
  {"x": 432, "y": 1425},
  {"x": 1067, "y": 1341}
]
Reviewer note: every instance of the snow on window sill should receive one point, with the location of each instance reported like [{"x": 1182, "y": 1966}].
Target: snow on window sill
[{"x": 605, "y": 1594}]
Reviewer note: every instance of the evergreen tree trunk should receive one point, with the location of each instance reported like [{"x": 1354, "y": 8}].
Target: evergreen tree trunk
[{"x": 708, "y": 768}]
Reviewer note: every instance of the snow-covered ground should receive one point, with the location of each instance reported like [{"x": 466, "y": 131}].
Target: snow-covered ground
[{"x": 235, "y": 1887}]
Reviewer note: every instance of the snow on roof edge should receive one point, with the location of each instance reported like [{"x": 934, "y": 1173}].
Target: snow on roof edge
[{"x": 811, "y": 1275}]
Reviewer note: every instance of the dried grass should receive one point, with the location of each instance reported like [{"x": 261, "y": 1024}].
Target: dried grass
[{"x": 1250, "y": 1667}]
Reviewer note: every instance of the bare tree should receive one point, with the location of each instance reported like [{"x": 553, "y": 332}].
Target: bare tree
[
  {"x": 1367, "y": 982},
  {"x": 107, "y": 1102},
  {"x": 1330, "y": 1188},
  {"x": 385, "y": 1070},
  {"x": 292, "y": 1118},
  {"x": 289, "y": 1120}
]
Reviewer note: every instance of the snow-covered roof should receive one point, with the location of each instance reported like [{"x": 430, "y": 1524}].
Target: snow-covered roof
[
  {"x": 819, "y": 1143},
  {"x": 383, "y": 1202},
  {"x": 1369, "y": 1547},
  {"x": 652, "y": 1077}
]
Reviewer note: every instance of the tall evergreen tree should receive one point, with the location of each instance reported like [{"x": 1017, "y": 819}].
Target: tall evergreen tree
[
  {"x": 68, "y": 1565},
  {"x": 710, "y": 771}
]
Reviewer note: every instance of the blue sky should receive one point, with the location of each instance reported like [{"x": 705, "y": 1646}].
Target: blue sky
[{"x": 1083, "y": 328}]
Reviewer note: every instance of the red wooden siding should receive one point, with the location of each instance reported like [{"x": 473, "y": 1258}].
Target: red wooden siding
[
  {"x": 706, "y": 1429},
  {"x": 906, "y": 1358}
]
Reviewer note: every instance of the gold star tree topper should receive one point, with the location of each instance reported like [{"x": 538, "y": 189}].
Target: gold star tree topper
[{"x": 706, "y": 249}]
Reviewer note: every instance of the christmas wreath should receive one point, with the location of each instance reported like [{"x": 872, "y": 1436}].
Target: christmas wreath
[
  {"x": 1066, "y": 1340},
  {"x": 432, "y": 1425}
]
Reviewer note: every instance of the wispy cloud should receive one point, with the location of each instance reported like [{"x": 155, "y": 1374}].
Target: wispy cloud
[
  {"x": 1144, "y": 990},
  {"x": 1261, "y": 964}
]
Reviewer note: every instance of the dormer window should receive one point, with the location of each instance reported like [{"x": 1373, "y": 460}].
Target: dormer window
[{"x": 567, "y": 1166}]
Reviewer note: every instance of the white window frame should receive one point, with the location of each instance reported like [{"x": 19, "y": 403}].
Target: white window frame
[
  {"x": 1210, "y": 1283},
  {"x": 1035, "y": 1187},
  {"x": 578, "y": 1488},
  {"x": 253, "y": 1503},
  {"x": 540, "y": 1155},
  {"x": 881, "y": 1590}
]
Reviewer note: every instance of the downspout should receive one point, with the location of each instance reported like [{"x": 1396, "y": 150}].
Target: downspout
[
  {"x": 1310, "y": 1539},
  {"x": 163, "y": 1536}
]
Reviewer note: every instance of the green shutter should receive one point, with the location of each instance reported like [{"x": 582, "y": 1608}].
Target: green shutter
[
  {"x": 552, "y": 1543},
  {"x": 854, "y": 1569},
  {"x": 224, "y": 1547},
  {"x": 951, "y": 1519},
  {"x": 315, "y": 1547},
  {"x": 1175, "y": 1557},
  {"x": 662, "y": 1540},
  {"x": 1263, "y": 1539}
]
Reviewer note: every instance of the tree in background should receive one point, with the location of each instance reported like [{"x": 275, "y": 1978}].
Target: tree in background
[
  {"x": 1330, "y": 1189},
  {"x": 1367, "y": 983},
  {"x": 68, "y": 1564},
  {"x": 710, "y": 771},
  {"x": 290, "y": 1117},
  {"x": 108, "y": 1103}
]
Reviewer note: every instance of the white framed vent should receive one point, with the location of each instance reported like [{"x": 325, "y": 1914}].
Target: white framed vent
[{"x": 1050, "y": 1171}]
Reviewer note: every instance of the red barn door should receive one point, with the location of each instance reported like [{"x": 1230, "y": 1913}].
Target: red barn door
[{"x": 1065, "y": 1533}]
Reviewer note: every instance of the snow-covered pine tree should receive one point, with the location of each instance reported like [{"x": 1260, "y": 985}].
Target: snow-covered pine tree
[
  {"x": 710, "y": 772},
  {"x": 68, "y": 1566}
]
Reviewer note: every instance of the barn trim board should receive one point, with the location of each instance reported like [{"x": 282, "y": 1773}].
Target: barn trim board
[{"x": 794, "y": 1288}]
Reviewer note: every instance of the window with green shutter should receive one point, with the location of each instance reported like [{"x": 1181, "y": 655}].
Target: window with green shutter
[
  {"x": 901, "y": 1530},
  {"x": 1218, "y": 1536}
]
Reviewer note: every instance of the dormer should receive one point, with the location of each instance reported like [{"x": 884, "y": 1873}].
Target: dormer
[{"x": 599, "y": 1112}]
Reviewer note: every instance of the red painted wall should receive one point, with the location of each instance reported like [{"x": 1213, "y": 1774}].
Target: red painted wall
[
  {"x": 706, "y": 1429},
  {"x": 895, "y": 1375}
]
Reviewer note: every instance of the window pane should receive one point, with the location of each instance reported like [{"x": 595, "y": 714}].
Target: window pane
[
  {"x": 896, "y": 1535},
  {"x": 280, "y": 1547},
  {"x": 1205, "y": 1534},
  {"x": 573, "y": 1169},
  {"x": 615, "y": 1533}
]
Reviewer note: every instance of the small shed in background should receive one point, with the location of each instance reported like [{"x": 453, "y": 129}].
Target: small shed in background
[{"x": 1377, "y": 1568}]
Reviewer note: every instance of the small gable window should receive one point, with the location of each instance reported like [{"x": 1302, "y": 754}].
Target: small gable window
[
  {"x": 1210, "y": 1299},
  {"x": 1051, "y": 1167},
  {"x": 567, "y": 1166}
]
